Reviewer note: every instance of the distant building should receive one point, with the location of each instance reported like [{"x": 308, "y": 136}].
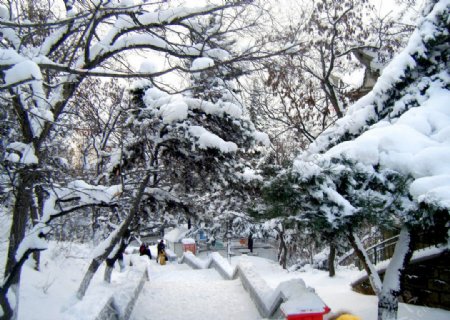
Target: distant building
[{"x": 177, "y": 242}]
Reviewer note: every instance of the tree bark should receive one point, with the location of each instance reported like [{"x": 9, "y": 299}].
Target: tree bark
[
  {"x": 84, "y": 285},
  {"x": 97, "y": 261},
  {"x": 34, "y": 216},
  {"x": 374, "y": 278},
  {"x": 11, "y": 284},
  {"x": 21, "y": 213},
  {"x": 282, "y": 252},
  {"x": 393, "y": 277},
  {"x": 108, "y": 270},
  {"x": 387, "y": 306},
  {"x": 6, "y": 307},
  {"x": 331, "y": 258}
]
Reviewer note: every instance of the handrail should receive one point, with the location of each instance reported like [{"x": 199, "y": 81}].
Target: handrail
[{"x": 384, "y": 250}]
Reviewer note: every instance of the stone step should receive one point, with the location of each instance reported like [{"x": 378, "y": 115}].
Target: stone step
[{"x": 178, "y": 293}]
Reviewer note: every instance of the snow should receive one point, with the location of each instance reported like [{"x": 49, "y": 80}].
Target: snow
[
  {"x": 219, "y": 109},
  {"x": 391, "y": 281},
  {"x": 207, "y": 140},
  {"x": 26, "y": 151},
  {"x": 218, "y": 54},
  {"x": 89, "y": 193},
  {"x": 178, "y": 292},
  {"x": 417, "y": 256},
  {"x": 188, "y": 241},
  {"x": 9, "y": 57},
  {"x": 262, "y": 138},
  {"x": 413, "y": 138},
  {"x": 176, "y": 234},
  {"x": 4, "y": 13},
  {"x": 174, "y": 111},
  {"x": 148, "y": 67},
  {"x": 412, "y": 145},
  {"x": 33, "y": 241},
  {"x": 432, "y": 189},
  {"x": 5, "y": 222},
  {"x": 100, "y": 249},
  {"x": 175, "y": 291},
  {"x": 333, "y": 195},
  {"x": 201, "y": 63},
  {"x": 22, "y": 71},
  {"x": 250, "y": 175},
  {"x": 169, "y": 15},
  {"x": 300, "y": 301}
]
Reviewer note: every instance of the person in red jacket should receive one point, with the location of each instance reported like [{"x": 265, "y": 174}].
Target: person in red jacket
[{"x": 145, "y": 250}]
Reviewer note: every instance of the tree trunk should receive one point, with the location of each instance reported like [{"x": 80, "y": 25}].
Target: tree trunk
[
  {"x": 373, "y": 275},
  {"x": 6, "y": 307},
  {"x": 331, "y": 258},
  {"x": 392, "y": 283},
  {"x": 34, "y": 215},
  {"x": 109, "y": 269},
  {"x": 93, "y": 267},
  {"x": 282, "y": 251},
  {"x": 11, "y": 285},
  {"x": 97, "y": 261},
  {"x": 21, "y": 212},
  {"x": 331, "y": 94},
  {"x": 387, "y": 306}
]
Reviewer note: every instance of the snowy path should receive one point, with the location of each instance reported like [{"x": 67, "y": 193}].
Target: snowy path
[{"x": 175, "y": 291}]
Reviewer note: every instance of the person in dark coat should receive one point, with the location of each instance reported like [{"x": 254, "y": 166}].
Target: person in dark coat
[
  {"x": 145, "y": 250},
  {"x": 250, "y": 243},
  {"x": 161, "y": 249}
]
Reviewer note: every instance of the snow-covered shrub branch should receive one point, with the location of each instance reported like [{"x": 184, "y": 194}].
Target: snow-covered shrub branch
[{"x": 382, "y": 163}]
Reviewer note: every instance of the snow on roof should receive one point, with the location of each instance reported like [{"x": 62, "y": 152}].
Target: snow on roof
[
  {"x": 176, "y": 234},
  {"x": 188, "y": 241}
]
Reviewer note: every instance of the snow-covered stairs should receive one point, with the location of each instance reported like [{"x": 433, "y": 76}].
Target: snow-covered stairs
[{"x": 175, "y": 291}]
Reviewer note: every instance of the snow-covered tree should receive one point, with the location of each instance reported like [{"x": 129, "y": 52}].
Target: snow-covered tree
[
  {"x": 385, "y": 162},
  {"x": 196, "y": 144},
  {"x": 47, "y": 50},
  {"x": 298, "y": 96}
]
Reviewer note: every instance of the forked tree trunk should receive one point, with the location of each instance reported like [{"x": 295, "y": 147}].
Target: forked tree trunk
[
  {"x": 115, "y": 238},
  {"x": 388, "y": 291}
]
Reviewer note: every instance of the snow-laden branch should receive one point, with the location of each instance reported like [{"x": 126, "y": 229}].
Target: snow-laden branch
[
  {"x": 374, "y": 277},
  {"x": 80, "y": 195}
]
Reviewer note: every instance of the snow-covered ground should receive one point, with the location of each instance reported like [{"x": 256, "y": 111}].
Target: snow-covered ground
[{"x": 177, "y": 292}]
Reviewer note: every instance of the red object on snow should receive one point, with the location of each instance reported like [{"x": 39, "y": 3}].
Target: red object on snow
[
  {"x": 308, "y": 316},
  {"x": 189, "y": 245}
]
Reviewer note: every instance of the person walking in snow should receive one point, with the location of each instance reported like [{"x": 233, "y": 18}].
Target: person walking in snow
[
  {"x": 161, "y": 250},
  {"x": 145, "y": 250},
  {"x": 250, "y": 242}
]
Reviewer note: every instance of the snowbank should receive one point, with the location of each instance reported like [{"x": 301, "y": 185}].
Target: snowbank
[{"x": 290, "y": 297}]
